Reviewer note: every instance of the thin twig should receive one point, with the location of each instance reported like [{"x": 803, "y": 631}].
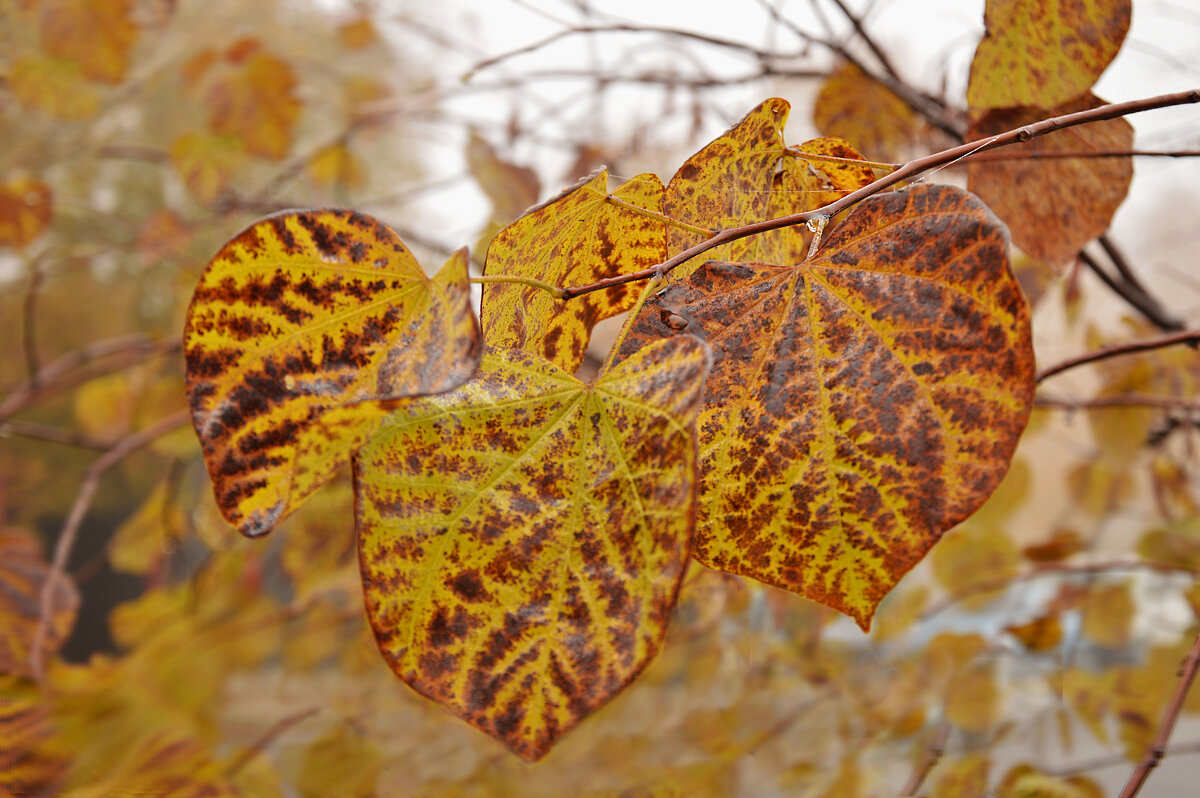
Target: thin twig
[
  {"x": 1142, "y": 302},
  {"x": 1189, "y": 337},
  {"x": 1120, "y": 262},
  {"x": 1112, "y": 760},
  {"x": 1158, "y": 746},
  {"x": 70, "y": 530},
  {"x": 1040, "y": 154},
  {"x": 29, "y": 322},
  {"x": 908, "y": 170},
  {"x": 933, "y": 752},
  {"x": 1118, "y": 401},
  {"x": 878, "y": 52},
  {"x": 45, "y": 432},
  {"x": 247, "y": 755}
]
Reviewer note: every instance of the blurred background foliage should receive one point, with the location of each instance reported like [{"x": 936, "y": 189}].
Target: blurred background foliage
[{"x": 1037, "y": 645}]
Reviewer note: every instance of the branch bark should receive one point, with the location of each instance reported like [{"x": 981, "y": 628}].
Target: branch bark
[{"x": 1189, "y": 337}]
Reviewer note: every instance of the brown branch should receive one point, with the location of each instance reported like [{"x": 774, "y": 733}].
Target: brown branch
[
  {"x": 905, "y": 172},
  {"x": 1137, "y": 298},
  {"x": 29, "y": 326},
  {"x": 933, "y": 752},
  {"x": 70, "y": 530},
  {"x": 1112, "y": 760},
  {"x": 1189, "y": 337},
  {"x": 45, "y": 432},
  {"x": 277, "y": 728},
  {"x": 79, "y": 366},
  {"x": 1039, "y": 154},
  {"x": 1158, "y": 746},
  {"x": 878, "y": 52},
  {"x": 1119, "y": 400},
  {"x": 1120, "y": 262},
  {"x": 1050, "y": 569}
]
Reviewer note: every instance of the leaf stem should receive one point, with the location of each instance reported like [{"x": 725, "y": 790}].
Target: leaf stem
[
  {"x": 691, "y": 228},
  {"x": 552, "y": 290},
  {"x": 1189, "y": 337},
  {"x": 908, "y": 170},
  {"x": 796, "y": 152}
]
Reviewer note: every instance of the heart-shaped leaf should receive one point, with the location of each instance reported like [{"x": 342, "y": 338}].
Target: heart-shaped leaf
[
  {"x": 297, "y": 325},
  {"x": 861, "y": 403},
  {"x": 522, "y": 538},
  {"x": 584, "y": 234}
]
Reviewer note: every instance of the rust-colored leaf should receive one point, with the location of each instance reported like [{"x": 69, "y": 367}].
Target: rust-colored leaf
[
  {"x": 889, "y": 131},
  {"x": 582, "y": 235},
  {"x": 96, "y": 34},
  {"x": 29, "y": 762},
  {"x": 522, "y": 539},
  {"x": 163, "y": 764},
  {"x": 255, "y": 101},
  {"x": 22, "y": 577},
  {"x": 749, "y": 174},
  {"x": 296, "y": 325},
  {"x": 861, "y": 403},
  {"x": 1043, "y": 53},
  {"x": 26, "y": 206},
  {"x": 1053, "y": 206},
  {"x": 205, "y": 162}
]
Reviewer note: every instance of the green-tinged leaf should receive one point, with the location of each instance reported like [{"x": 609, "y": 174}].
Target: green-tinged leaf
[
  {"x": 297, "y": 324},
  {"x": 145, "y": 538},
  {"x": 1053, "y": 206},
  {"x": 582, "y": 235},
  {"x": 889, "y": 131},
  {"x": 861, "y": 403},
  {"x": 97, "y": 34},
  {"x": 522, "y": 539},
  {"x": 748, "y": 175},
  {"x": 1042, "y": 53},
  {"x": 26, "y": 206},
  {"x": 23, "y": 575}
]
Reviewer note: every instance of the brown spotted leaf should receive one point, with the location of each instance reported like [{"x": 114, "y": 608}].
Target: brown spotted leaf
[
  {"x": 861, "y": 403},
  {"x": 296, "y": 324},
  {"x": 1053, "y": 206},
  {"x": 22, "y": 579},
  {"x": 749, "y": 174},
  {"x": 1043, "y": 53},
  {"x": 25, "y": 209},
  {"x": 522, "y": 539},
  {"x": 96, "y": 34},
  {"x": 584, "y": 234},
  {"x": 30, "y": 764}
]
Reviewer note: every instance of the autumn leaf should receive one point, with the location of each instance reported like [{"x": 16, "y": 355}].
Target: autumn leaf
[
  {"x": 206, "y": 162},
  {"x": 861, "y": 403},
  {"x": 166, "y": 765},
  {"x": 336, "y": 165},
  {"x": 887, "y": 133},
  {"x": 97, "y": 34},
  {"x": 53, "y": 85},
  {"x": 357, "y": 33},
  {"x": 255, "y": 101},
  {"x": 1108, "y": 615},
  {"x": 29, "y": 763},
  {"x": 23, "y": 575},
  {"x": 749, "y": 174},
  {"x": 511, "y": 188},
  {"x": 584, "y": 234},
  {"x": 1043, "y": 53},
  {"x": 296, "y": 324},
  {"x": 522, "y": 539},
  {"x": 1053, "y": 206},
  {"x": 26, "y": 206}
]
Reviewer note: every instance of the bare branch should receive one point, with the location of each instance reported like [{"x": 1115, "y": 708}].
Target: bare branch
[
  {"x": 1189, "y": 337},
  {"x": 1158, "y": 746},
  {"x": 70, "y": 530},
  {"x": 1138, "y": 299},
  {"x": 905, "y": 172},
  {"x": 933, "y": 752}
]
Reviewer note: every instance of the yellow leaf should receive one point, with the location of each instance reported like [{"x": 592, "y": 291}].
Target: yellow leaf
[
  {"x": 1054, "y": 206},
  {"x": 1043, "y": 633},
  {"x": 973, "y": 699},
  {"x": 898, "y": 612},
  {"x": 145, "y": 538},
  {"x": 1091, "y": 696},
  {"x": 256, "y": 102},
  {"x": 1108, "y": 615},
  {"x": 522, "y": 538},
  {"x": 22, "y": 579},
  {"x": 578, "y": 237},
  {"x": 342, "y": 762},
  {"x": 357, "y": 34},
  {"x": 97, "y": 34},
  {"x": 29, "y": 764},
  {"x": 859, "y": 405},
  {"x": 26, "y": 206},
  {"x": 336, "y": 165},
  {"x": 104, "y": 406},
  {"x": 1041, "y": 53},
  {"x": 964, "y": 777},
  {"x": 972, "y": 555},
  {"x": 165, "y": 765},
  {"x": 298, "y": 325},
  {"x": 206, "y": 162},
  {"x": 54, "y": 86},
  {"x": 1025, "y": 781},
  {"x": 748, "y": 175},
  {"x": 890, "y": 131}
]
